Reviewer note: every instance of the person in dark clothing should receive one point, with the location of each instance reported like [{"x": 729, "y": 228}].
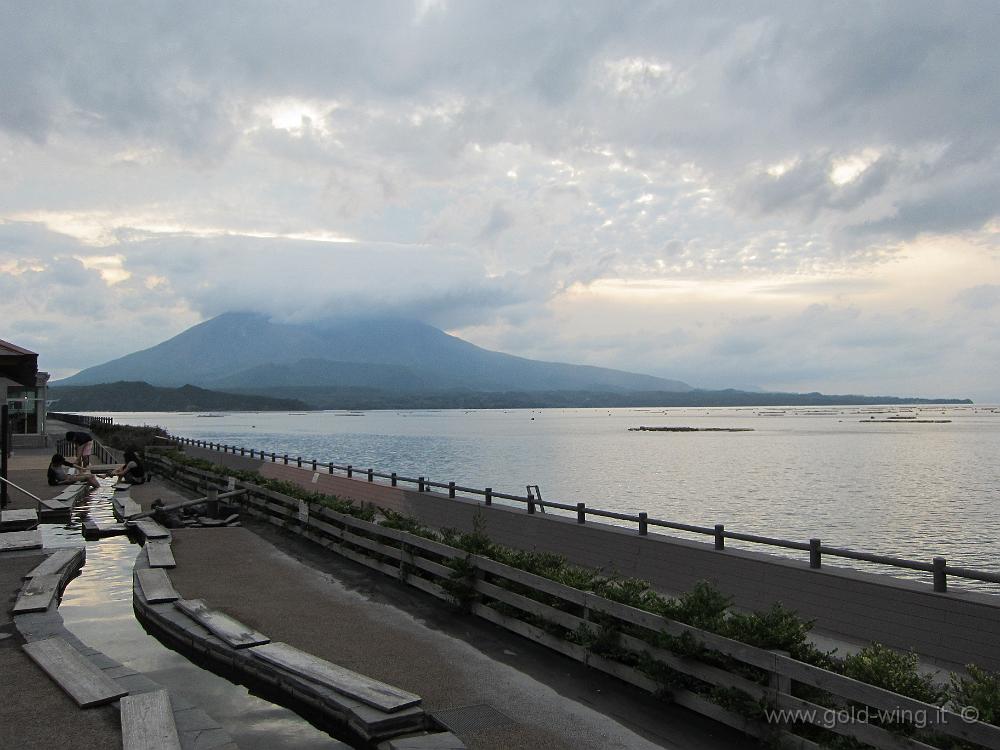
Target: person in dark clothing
[
  {"x": 132, "y": 471},
  {"x": 62, "y": 471}
]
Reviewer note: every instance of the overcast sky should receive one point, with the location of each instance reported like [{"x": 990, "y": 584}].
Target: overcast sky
[{"x": 798, "y": 196}]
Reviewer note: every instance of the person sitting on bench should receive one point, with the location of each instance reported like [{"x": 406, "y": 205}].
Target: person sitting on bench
[
  {"x": 132, "y": 471},
  {"x": 62, "y": 471}
]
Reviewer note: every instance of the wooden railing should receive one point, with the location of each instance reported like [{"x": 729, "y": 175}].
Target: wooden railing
[
  {"x": 80, "y": 419},
  {"x": 938, "y": 567},
  {"x": 103, "y": 454},
  {"x": 422, "y": 563}
]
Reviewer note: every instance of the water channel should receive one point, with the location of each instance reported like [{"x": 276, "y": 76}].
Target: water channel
[{"x": 97, "y": 608}]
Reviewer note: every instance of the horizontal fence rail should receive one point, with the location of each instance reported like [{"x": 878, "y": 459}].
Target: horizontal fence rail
[
  {"x": 938, "y": 567},
  {"x": 549, "y": 613}
]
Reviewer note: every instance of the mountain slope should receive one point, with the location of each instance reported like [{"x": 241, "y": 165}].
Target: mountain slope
[
  {"x": 237, "y": 349},
  {"x": 138, "y": 396}
]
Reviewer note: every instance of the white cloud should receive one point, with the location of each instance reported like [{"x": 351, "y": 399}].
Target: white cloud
[{"x": 481, "y": 164}]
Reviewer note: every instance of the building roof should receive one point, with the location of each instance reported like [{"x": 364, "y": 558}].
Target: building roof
[
  {"x": 18, "y": 364},
  {"x": 9, "y": 349}
]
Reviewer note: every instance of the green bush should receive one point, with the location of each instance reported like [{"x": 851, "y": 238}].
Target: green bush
[
  {"x": 125, "y": 437},
  {"x": 703, "y": 607},
  {"x": 980, "y": 690},
  {"x": 893, "y": 670}
]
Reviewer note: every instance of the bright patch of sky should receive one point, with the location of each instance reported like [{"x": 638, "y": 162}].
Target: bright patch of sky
[{"x": 777, "y": 195}]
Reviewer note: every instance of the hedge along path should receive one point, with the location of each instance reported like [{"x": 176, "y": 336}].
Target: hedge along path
[{"x": 402, "y": 554}]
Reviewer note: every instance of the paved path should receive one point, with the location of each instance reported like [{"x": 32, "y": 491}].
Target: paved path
[{"x": 360, "y": 620}]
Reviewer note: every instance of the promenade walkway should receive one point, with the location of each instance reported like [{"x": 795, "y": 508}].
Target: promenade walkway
[{"x": 363, "y": 621}]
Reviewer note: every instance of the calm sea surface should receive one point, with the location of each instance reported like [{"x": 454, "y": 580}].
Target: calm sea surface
[{"x": 903, "y": 488}]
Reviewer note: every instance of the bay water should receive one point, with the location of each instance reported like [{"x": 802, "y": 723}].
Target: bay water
[{"x": 913, "y": 482}]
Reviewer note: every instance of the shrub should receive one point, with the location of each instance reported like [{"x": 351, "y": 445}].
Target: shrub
[
  {"x": 893, "y": 670},
  {"x": 980, "y": 690},
  {"x": 775, "y": 628},
  {"x": 703, "y": 607}
]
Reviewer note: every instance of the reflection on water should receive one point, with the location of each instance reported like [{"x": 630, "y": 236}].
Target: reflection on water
[
  {"x": 97, "y": 608},
  {"x": 901, "y": 487}
]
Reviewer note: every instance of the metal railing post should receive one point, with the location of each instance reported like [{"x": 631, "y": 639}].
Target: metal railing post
[
  {"x": 815, "y": 554},
  {"x": 581, "y": 513},
  {"x": 643, "y": 527},
  {"x": 371, "y": 475},
  {"x": 488, "y": 495},
  {"x": 720, "y": 536},
  {"x": 940, "y": 575},
  {"x": 350, "y": 471},
  {"x": 451, "y": 489},
  {"x": 393, "y": 479}
]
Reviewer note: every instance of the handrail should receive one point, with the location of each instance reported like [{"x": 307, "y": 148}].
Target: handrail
[
  {"x": 36, "y": 498},
  {"x": 816, "y": 549}
]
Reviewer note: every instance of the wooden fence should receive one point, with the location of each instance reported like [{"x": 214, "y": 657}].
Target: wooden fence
[
  {"x": 520, "y": 602},
  {"x": 938, "y": 567}
]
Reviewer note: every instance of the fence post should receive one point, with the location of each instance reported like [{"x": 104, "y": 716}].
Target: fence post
[
  {"x": 778, "y": 683},
  {"x": 940, "y": 574},
  {"x": 286, "y": 458},
  {"x": 314, "y": 464},
  {"x": 643, "y": 529},
  {"x": 243, "y": 451},
  {"x": 329, "y": 467},
  {"x": 720, "y": 536},
  {"x": 420, "y": 484},
  {"x": 251, "y": 452},
  {"x": 488, "y": 495},
  {"x": 393, "y": 479},
  {"x": 371, "y": 475},
  {"x": 581, "y": 513},
  {"x": 531, "y": 503},
  {"x": 298, "y": 461},
  {"x": 274, "y": 457},
  {"x": 350, "y": 471},
  {"x": 815, "y": 554},
  {"x": 451, "y": 489}
]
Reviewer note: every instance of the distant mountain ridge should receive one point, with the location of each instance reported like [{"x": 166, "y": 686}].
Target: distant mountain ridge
[
  {"x": 138, "y": 396},
  {"x": 248, "y": 351}
]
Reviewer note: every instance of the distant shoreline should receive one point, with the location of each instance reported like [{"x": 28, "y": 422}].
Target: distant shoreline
[{"x": 141, "y": 396}]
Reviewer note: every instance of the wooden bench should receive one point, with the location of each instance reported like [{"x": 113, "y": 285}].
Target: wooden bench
[
  {"x": 18, "y": 520},
  {"x": 438, "y": 741},
  {"x": 79, "y": 678},
  {"x": 148, "y": 722},
  {"x": 151, "y": 529},
  {"x": 56, "y": 562},
  {"x": 221, "y": 625},
  {"x": 98, "y": 530},
  {"x": 364, "y": 689},
  {"x": 156, "y": 587},
  {"x": 37, "y": 593},
  {"x": 16, "y": 540},
  {"x": 160, "y": 555}
]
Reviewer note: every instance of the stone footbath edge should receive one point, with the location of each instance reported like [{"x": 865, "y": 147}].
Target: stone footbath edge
[
  {"x": 168, "y": 621},
  {"x": 194, "y": 726}
]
